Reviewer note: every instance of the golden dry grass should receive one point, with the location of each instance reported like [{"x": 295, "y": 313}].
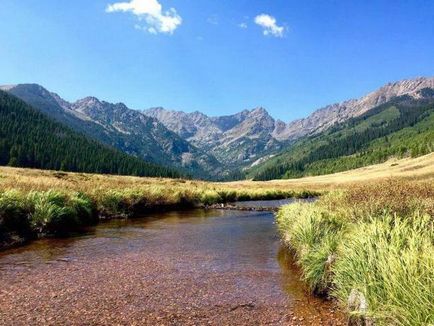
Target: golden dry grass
[{"x": 417, "y": 169}]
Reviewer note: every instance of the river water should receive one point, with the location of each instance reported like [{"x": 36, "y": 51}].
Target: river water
[{"x": 193, "y": 267}]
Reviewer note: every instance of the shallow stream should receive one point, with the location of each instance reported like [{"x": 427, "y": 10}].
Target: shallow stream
[{"x": 183, "y": 267}]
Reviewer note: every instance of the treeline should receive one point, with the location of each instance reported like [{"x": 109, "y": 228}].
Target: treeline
[
  {"x": 30, "y": 139},
  {"x": 401, "y": 127}
]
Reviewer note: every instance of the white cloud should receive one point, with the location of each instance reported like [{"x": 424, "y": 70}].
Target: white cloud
[
  {"x": 150, "y": 12},
  {"x": 242, "y": 25},
  {"x": 269, "y": 25}
]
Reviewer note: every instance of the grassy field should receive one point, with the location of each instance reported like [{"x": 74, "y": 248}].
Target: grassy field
[
  {"x": 39, "y": 202},
  {"x": 371, "y": 247},
  {"x": 416, "y": 169}
]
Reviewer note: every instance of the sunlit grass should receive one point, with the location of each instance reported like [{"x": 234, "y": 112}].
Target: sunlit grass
[
  {"x": 36, "y": 202},
  {"x": 373, "y": 242}
]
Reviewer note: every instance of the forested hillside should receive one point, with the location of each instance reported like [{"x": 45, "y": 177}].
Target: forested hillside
[
  {"x": 30, "y": 139},
  {"x": 401, "y": 127},
  {"x": 120, "y": 127}
]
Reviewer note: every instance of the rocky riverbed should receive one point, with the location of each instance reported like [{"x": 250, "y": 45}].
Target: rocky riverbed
[{"x": 178, "y": 268}]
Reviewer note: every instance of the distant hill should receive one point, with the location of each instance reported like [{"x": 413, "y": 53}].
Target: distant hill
[
  {"x": 404, "y": 126},
  {"x": 28, "y": 138}
]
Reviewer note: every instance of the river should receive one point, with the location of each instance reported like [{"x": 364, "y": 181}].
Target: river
[{"x": 195, "y": 267}]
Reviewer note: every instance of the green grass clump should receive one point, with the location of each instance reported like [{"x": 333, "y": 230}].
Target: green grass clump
[
  {"x": 13, "y": 213},
  {"x": 209, "y": 197},
  {"x": 373, "y": 245},
  {"x": 390, "y": 260},
  {"x": 114, "y": 203},
  {"x": 55, "y": 212},
  {"x": 46, "y": 212},
  {"x": 313, "y": 234}
]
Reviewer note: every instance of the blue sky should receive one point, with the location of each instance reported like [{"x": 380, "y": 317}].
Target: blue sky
[{"x": 218, "y": 57}]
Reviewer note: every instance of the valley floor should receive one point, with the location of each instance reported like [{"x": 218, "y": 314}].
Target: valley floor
[
  {"x": 377, "y": 218},
  {"x": 416, "y": 169}
]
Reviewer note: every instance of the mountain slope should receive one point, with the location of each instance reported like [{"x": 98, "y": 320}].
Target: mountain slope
[
  {"x": 116, "y": 125},
  {"x": 403, "y": 126},
  {"x": 235, "y": 140},
  {"x": 30, "y": 139},
  {"x": 250, "y": 136},
  {"x": 326, "y": 117}
]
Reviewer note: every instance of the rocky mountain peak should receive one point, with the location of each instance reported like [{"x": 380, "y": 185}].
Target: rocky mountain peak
[
  {"x": 259, "y": 111},
  {"x": 261, "y": 114},
  {"x": 329, "y": 115},
  {"x": 87, "y": 101}
]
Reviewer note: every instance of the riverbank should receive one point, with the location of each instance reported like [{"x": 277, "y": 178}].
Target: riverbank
[
  {"x": 371, "y": 247},
  {"x": 36, "y": 203}
]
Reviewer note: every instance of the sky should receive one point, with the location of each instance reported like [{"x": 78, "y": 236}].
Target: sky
[{"x": 217, "y": 57}]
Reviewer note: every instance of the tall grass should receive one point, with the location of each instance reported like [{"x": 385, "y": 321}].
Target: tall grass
[
  {"x": 14, "y": 213},
  {"x": 46, "y": 202},
  {"x": 313, "y": 234},
  {"x": 373, "y": 250},
  {"x": 55, "y": 212},
  {"x": 39, "y": 213},
  {"x": 390, "y": 260}
]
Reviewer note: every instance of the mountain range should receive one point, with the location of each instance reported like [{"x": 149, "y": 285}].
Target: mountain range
[
  {"x": 200, "y": 145},
  {"x": 120, "y": 127},
  {"x": 400, "y": 127},
  {"x": 31, "y": 139}
]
